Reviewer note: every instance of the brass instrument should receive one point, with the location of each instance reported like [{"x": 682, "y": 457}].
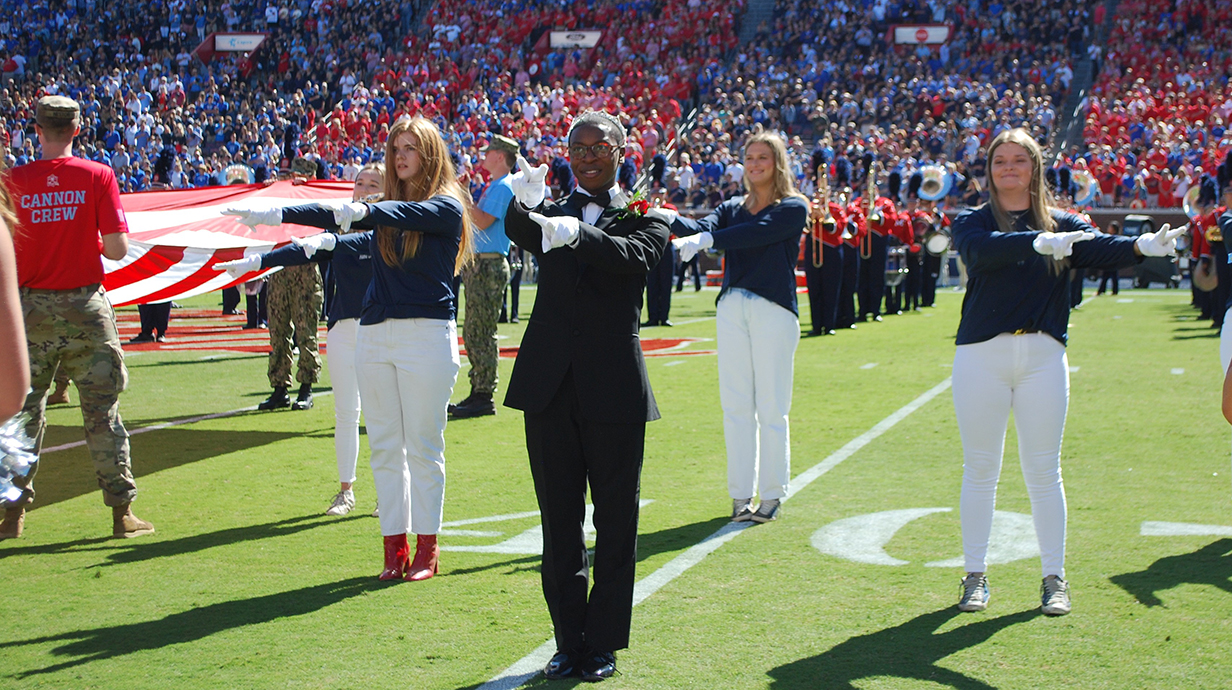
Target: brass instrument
[
  {"x": 825, "y": 223},
  {"x": 1214, "y": 234},
  {"x": 873, "y": 215}
]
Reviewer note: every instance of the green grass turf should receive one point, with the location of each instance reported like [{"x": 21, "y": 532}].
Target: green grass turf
[{"x": 247, "y": 585}]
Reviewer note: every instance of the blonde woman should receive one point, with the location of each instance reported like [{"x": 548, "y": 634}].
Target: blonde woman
[
  {"x": 13, "y": 356},
  {"x": 407, "y": 347},
  {"x": 757, "y": 321},
  {"x": 1018, "y": 249},
  {"x": 347, "y": 278}
]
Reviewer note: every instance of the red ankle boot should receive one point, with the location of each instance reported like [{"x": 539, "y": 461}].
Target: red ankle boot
[
  {"x": 427, "y": 558},
  {"x": 396, "y": 551}
]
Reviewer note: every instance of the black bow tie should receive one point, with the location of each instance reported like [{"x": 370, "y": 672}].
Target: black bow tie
[{"x": 578, "y": 199}]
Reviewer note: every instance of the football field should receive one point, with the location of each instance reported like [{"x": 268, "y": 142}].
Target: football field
[{"x": 246, "y": 584}]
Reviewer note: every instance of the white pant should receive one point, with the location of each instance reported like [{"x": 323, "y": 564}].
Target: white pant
[
  {"x": 1030, "y": 375},
  {"x": 406, "y": 370},
  {"x": 340, "y": 357},
  {"x": 1225, "y": 344},
  {"x": 757, "y": 347}
]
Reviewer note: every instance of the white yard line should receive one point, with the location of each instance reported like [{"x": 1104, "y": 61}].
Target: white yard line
[{"x": 529, "y": 666}]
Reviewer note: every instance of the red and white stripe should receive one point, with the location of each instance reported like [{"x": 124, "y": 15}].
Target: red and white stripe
[{"x": 176, "y": 237}]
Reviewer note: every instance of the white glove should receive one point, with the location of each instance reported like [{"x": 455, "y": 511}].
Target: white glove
[
  {"x": 312, "y": 244},
  {"x": 691, "y": 245},
  {"x": 1162, "y": 242},
  {"x": 239, "y": 267},
  {"x": 254, "y": 217},
  {"x": 529, "y": 184},
  {"x": 666, "y": 215},
  {"x": 558, "y": 231},
  {"x": 346, "y": 212},
  {"x": 1059, "y": 245}
]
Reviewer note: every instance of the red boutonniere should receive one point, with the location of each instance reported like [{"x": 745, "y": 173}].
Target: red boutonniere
[{"x": 635, "y": 207}]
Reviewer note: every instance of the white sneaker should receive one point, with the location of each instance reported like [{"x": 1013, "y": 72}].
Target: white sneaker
[
  {"x": 1054, "y": 596},
  {"x": 975, "y": 594},
  {"x": 342, "y": 504},
  {"x": 376, "y": 512}
]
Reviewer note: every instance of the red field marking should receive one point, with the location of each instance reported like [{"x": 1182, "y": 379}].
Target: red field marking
[{"x": 207, "y": 330}]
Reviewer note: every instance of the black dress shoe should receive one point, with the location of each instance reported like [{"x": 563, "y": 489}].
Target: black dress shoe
[
  {"x": 598, "y": 666},
  {"x": 667, "y": 323},
  {"x": 142, "y": 338},
  {"x": 562, "y": 665},
  {"x": 648, "y": 324}
]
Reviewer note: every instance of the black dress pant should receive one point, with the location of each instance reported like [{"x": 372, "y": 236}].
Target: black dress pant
[
  {"x": 1107, "y": 277},
  {"x": 256, "y": 308},
  {"x": 154, "y": 318},
  {"x": 913, "y": 281},
  {"x": 928, "y": 279},
  {"x": 872, "y": 276},
  {"x": 230, "y": 299},
  {"x": 567, "y": 452},
  {"x": 824, "y": 283},
  {"x": 690, "y": 265},
  {"x": 850, "y": 281}
]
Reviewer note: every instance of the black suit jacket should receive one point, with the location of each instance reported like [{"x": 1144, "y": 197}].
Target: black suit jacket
[{"x": 586, "y": 315}]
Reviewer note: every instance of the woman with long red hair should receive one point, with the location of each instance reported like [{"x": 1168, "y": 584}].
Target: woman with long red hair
[{"x": 406, "y": 354}]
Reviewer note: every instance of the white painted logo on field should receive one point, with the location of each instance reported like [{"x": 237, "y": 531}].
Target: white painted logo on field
[
  {"x": 870, "y": 365},
  {"x": 863, "y": 538},
  {"x": 528, "y": 542}
]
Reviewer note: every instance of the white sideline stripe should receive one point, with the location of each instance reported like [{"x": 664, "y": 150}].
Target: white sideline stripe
[
  {"x": 1178, "y": 371},
  {"x": 529, "y": 666},
  {"x": 174, "y": 422}
]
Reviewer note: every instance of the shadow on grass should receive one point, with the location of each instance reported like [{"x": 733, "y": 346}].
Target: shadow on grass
[
  {"x": 63, "y": 476},
  {"x": 1210, "y": 565},
  {"x": 121, "y": 552},
  {"x": 96, "y": 644},
  {"x": 676, "y": 538},
  {"x": 910, "y": 650}
]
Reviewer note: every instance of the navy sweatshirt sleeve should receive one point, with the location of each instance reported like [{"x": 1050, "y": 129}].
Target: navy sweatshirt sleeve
[
  {"x": 419, "y": 287},
  {"x": 761, "y": 249},
  {"x": 1011, "y": 287}
]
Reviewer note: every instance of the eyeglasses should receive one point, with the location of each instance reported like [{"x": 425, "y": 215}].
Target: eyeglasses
[{"x": 599, "y": 150}]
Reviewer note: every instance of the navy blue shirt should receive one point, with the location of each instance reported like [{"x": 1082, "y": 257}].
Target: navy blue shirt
[
  {"x": 1012, "y": 287},
  {"x": 761, "y": 249},
  {"x": 349, "y": 277},
  {"x": 1225, "y": 227},
  {"x": 422, "y": 287}
]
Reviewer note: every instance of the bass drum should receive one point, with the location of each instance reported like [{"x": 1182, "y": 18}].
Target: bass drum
[{"x": 896, "y": 265}]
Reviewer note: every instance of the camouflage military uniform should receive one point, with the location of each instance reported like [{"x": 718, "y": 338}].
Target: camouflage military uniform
[
  {"x": 485, "y": 279},
  {"x": 75, "y": 331},
  {"x": 295, "y": 297}
]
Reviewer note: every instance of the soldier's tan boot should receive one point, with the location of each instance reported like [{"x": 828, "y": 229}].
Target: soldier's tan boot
[
  {"x": 59, "y": 396},
  {"x": 14, "y": 520},
  {"x": 125, "y": 525}
]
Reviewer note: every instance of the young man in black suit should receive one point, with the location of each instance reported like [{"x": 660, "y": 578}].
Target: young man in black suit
[{"x": 581, "y": 380}]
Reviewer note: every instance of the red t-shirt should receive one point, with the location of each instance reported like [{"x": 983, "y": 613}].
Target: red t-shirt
[{"x": 64, "y": 205}]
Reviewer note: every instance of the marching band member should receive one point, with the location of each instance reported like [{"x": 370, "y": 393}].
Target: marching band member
[
  {"x": 853, "y": 236},
  {"x": 757, "y": 324},
  {"x": 900, "y": 236},
  {"x": 930, "y": 263},
  {"x": 823, "y": 270},
  {"x": 406, "y": 350},
  {"x": 879, "y": 221},
  {"x": 1011, "y": 351},
  {"x": 920, "y": 220},
  {"x": 349, "y": 277}
]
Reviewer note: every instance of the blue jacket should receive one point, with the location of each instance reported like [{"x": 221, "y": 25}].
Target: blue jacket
[
  {"x": 1012, "y": 287},
  {"x": 347, "y": 277},
  {"x": 422, "y": 287},
  {"x": 761, "y": 249}
]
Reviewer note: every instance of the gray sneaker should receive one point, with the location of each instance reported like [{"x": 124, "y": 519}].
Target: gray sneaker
[
  {"x": 975, "y": 594},
  {"x": 742, "y": 509},
  {"x": 1054, "y": 596},
  {"x": 342, "y": 504},
  {"x": 767, "y": 511}
]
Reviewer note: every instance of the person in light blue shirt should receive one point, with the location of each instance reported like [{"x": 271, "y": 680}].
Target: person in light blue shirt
[{"x": 485, "y": 278}]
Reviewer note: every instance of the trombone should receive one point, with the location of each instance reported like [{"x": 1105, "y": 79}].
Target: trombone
[
  {"x": 824, "y": 222},
  {"x": 873, "y": 215}
]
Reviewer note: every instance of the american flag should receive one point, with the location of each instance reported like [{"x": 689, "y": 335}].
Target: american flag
[{"x": 175, "y": 238}]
